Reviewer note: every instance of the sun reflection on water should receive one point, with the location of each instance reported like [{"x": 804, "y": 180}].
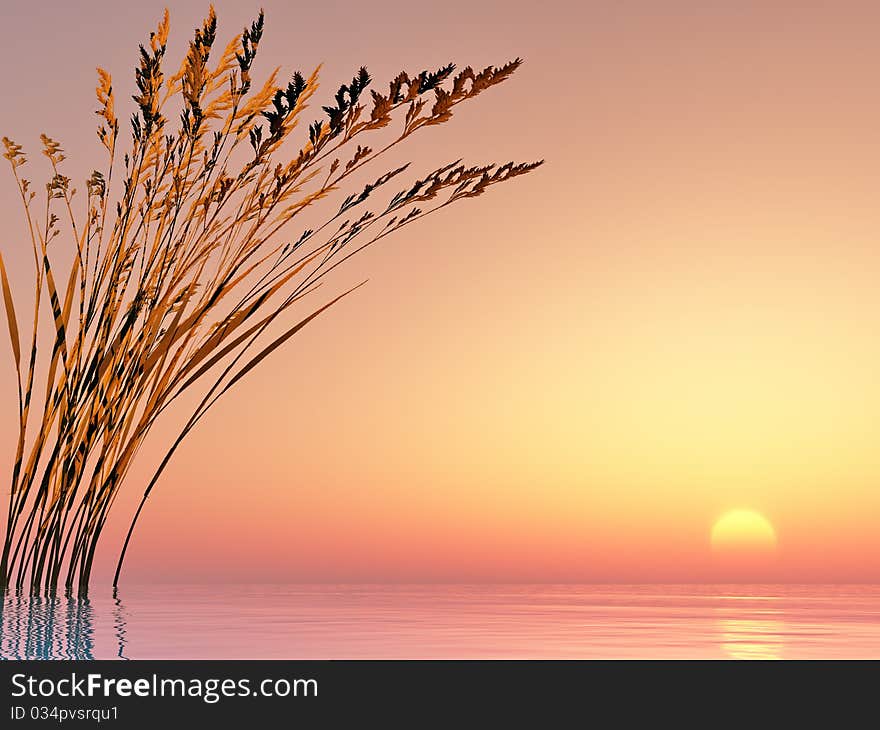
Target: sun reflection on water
[
  {"x": 749, "y": 627},
  {"x": 751, "y": 638}
]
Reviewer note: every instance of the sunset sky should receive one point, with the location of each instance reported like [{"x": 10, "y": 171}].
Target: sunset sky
[{"x": 574, "y": 377}]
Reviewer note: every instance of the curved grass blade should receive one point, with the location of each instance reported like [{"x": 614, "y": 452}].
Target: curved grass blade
[{"x": 10, "y": 315}]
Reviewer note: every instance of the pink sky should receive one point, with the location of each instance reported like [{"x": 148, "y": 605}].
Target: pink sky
[{"x": 573, "y": 377}]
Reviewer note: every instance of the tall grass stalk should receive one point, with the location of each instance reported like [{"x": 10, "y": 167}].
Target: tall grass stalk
[{"x": 182, "y": 284}]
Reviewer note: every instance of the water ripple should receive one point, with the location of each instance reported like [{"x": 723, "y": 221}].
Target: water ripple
[{"x": 446, "y": 621}]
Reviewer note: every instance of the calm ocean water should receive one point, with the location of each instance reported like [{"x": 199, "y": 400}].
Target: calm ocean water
[{"x": 461, "y": 621}]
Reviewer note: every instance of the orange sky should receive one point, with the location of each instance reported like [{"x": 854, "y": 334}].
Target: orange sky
[{"x": 573, "y": 377}]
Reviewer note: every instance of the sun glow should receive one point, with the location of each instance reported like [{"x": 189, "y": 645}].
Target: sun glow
[{"x": 743, "y": 530}]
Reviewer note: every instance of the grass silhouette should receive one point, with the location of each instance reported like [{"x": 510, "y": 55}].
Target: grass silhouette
[{"x": 174, "y": 288}]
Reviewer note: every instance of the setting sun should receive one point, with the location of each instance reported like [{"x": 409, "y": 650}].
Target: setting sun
[{"x": 743, "y": 530}]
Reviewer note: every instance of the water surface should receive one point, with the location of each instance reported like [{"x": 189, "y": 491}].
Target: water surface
[{"x": 448, "y": 621}]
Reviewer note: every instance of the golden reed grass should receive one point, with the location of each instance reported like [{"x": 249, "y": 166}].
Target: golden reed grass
[{"x": 175, "y": 286}]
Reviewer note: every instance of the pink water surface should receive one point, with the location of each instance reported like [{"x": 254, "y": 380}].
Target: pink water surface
[{"x": 450, "y": 621}]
